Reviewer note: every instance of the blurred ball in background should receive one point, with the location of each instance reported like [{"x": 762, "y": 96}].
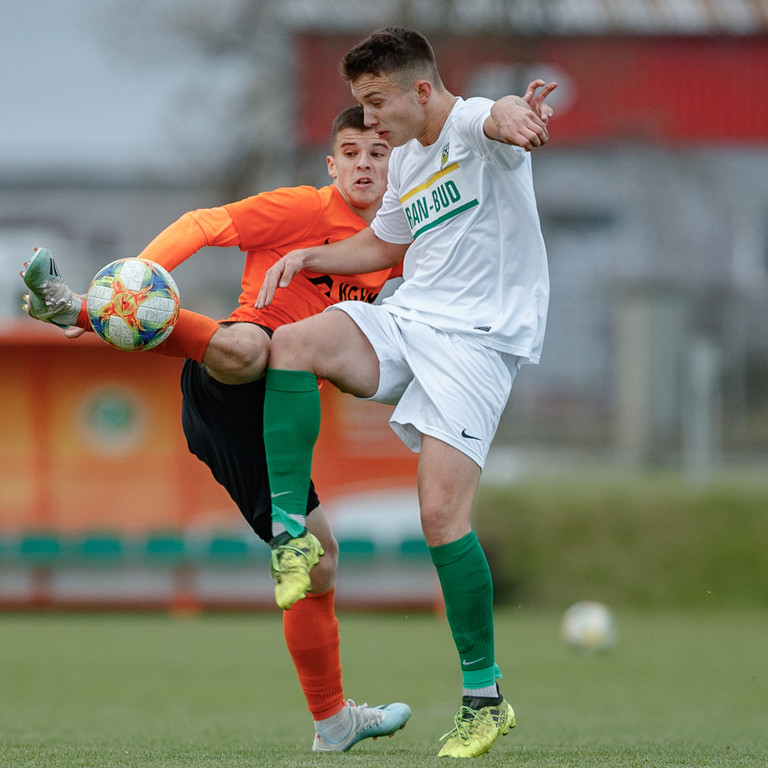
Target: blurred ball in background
[{"x": 589, "y": 627}]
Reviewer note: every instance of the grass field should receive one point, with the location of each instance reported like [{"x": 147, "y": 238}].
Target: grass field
[{"x": 680, "y": 689}]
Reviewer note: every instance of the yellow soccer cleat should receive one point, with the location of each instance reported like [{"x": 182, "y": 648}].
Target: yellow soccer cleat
[
  {"x": 475, "y": 730},
  {"x": 291, "y": 564}
]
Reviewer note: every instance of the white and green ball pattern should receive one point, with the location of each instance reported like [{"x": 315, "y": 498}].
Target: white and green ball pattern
[{"x": 133, "y": 304}]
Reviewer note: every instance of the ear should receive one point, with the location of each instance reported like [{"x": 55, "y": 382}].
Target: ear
[
  {"x": 331, "y": 163},
  {"x": 423, "y": 90}
]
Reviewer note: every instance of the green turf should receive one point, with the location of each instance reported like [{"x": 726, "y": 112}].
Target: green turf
[{"x": 680, "y": 689}]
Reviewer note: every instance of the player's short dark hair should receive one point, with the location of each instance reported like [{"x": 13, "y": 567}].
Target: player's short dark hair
[
  {"x": 351, "y": 117},
  {"x": 389, "y": 51}
]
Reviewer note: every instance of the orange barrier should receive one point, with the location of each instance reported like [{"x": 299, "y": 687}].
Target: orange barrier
[{"x": 91, "y": 439}]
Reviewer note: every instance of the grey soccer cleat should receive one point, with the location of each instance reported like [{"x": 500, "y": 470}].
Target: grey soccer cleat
[
  {"x": 367, "y": 723},
  {"x": 50, "y": 298}
]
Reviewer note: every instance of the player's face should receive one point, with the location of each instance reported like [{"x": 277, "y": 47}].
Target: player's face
[
  {"x": 358, "y": 167},
  {"x": 393, "y": 109}
]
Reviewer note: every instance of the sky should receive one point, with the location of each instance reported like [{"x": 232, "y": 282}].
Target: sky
[{"x": 71, "y": 94}]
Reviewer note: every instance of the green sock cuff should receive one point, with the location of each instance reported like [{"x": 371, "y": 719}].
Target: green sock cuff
[
  {"x": 290, "y": 381},
  {"x": 481, "y": 678},
  {"x": 444, "y": 554}
]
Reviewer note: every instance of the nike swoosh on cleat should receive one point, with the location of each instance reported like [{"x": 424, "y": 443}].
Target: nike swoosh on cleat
[{"x": 469, "y": 437}]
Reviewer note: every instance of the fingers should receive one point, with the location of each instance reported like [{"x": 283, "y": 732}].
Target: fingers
[
  {"x": 537, "y": 100},
  {"x": 528, "y": 137},
  {"x": 74, "y": 332},
  {"x": 518, "y": 122},
  {"x": 546, "y": 89},
  {"x": 279, "y": 275},
  {"x": 531, "y": 89},
  {"x": 267, "y": 291},
  {"x": 533, "y": 133},
  {"x": 536, "y": 139},
  {"x": 543, "y": 111}
]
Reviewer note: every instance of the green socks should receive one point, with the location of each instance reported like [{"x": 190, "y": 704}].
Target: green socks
[
  {"x": 465, "y": 579},
  {"x": 291, "y": 427}
]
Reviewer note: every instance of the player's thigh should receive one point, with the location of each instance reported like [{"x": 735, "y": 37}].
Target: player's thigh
[
  {"x": 458, "y": 393},
  {"x": 333, "y": 347}
]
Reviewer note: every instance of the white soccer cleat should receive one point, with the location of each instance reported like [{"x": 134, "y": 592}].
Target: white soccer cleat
[{"x": 367, "y": 723}]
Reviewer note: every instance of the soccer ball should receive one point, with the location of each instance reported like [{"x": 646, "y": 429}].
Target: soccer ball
[
  {"x": 589, "y": 627},
  {"x": 133, "y": 304}
]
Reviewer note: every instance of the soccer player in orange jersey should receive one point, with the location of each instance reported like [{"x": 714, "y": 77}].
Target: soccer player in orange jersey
[{"x": 223, "y": 385}]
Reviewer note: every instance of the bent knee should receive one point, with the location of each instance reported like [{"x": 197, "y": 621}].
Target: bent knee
[
  {"x": 238, "y": 354},
  {"x": 323, "y": 575},
  {"x": 442, "y": 525},
  {"x": 288, "y": 348},
  {"x": 249, "y": 356}
]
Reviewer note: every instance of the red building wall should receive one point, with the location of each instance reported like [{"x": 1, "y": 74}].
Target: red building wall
[{"x": 666, "y": 90}]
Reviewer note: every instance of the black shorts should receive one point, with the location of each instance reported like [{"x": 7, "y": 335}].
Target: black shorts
[{"x": 224, "y": 427}]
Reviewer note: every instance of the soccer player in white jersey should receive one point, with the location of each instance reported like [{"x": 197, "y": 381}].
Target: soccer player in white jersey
[{"x": 446, "y": 346}]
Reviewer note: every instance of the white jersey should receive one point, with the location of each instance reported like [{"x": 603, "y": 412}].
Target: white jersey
[{"x": 477, "y": 264}]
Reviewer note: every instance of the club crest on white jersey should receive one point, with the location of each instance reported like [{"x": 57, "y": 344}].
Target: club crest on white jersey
[{"x": 444, "y": 154}]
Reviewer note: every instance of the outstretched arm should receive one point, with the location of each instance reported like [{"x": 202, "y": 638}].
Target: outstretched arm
[
  {"x": 181, "y": 239},
  {"x": 522, "y": 120},
  {"x": 188, "y": 234},
  {"x": 363, "y": 252}
]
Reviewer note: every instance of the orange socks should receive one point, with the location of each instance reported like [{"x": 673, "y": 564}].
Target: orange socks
[
  {"x": 190, "y": 337},
  {"x": 312, "y": 636},
  {"x": 82, "y": 316}
]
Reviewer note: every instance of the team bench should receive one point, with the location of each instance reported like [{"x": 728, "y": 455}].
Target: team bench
[{"x": 188, "y": 571}]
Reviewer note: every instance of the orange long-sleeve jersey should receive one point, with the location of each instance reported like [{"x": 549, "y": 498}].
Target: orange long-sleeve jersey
[{"x": 265, "y": 227}]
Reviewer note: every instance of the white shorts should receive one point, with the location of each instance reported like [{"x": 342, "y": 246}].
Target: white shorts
[{"x": 445, "y": 385}]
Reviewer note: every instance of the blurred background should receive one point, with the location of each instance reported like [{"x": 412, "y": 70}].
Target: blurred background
[{"x": 118, "y": 117}]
